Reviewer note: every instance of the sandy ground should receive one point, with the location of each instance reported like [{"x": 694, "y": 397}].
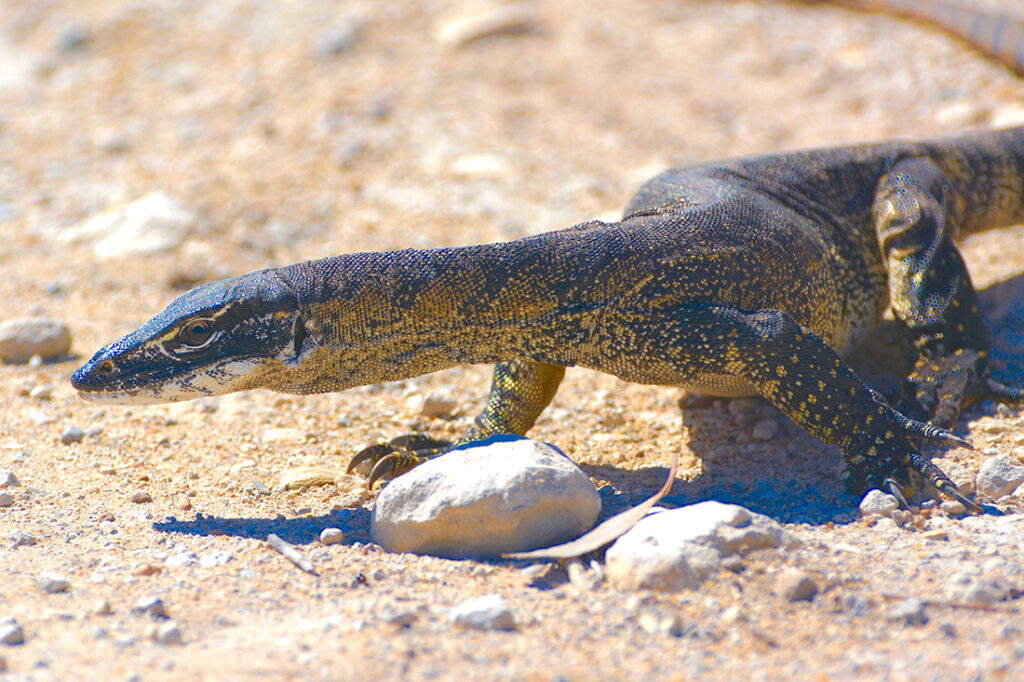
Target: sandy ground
[{"x": 309, "y": 128}]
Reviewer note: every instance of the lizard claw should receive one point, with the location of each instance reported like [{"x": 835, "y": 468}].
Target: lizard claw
[
  {"x": 384, "y": 468},
  {"x": 949, "y": 488},
  {"x": 890, "y": 486},
  {"x": 915, "y": 429},
  {"x": 388, "y": 459},
  {"x": 372, "y": 454}
]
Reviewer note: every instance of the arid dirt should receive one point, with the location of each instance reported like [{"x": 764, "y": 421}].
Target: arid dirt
[{"x": 302, "y": 129}]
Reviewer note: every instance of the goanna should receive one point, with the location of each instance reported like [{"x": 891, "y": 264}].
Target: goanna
[{"x": 748, "y": 276}]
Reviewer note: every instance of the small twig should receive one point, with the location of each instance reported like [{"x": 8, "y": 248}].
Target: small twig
[
  {"x": 291, "y": 554},
  {"x": 966, "y": 605}
]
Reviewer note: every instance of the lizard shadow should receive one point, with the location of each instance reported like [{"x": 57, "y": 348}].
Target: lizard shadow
[
  {"x": 304, "y": 530},
  {"x": 753, "y": 455}
]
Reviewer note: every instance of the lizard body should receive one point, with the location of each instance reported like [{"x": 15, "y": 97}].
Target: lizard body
[{"x": 746, "y": 276}]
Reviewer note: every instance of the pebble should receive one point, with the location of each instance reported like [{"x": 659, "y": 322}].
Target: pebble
[
  {"x": 168, "y": 634},
  {"x": 796, "y": 585},
  {"x": 6, "y": 499},
  {"x": 150, "y": 606},
  {"x": 24, "y": 337},
  {"x": 877, "y": 503},
  {"x": 11, "y": 633},
  {"x": 433, "y": 405},
  {"x": 660, "y": 620},
  {"x": 935, "y": 534},
  {"x": 215, "y": 558},
  {"x": 470, "y": 26},
  {"x": 142, "y": 497},
  {"x": 148, "y": 226},
  {"x": 8, "y": 479},
  {"x": 504, "y": 494},
  {"x": 102, "y": 608},
  {"x": 999, "y": 476},
  {"x": 484, "y": 613},
  {"x": 71, "y": 38},
  {"x": 765, "y": 429},
  {"x": 910, "y": 611},
  {"x": 51, "y": 583},
  {"x": 20, "y": 538},
  {"x": 331, "y": 536},
  {"x": 72, "y": 434},
  {"x": 986, "y": 591},
  {"x": 185, "y": 557},
  {"x": 953, "y": 508},
  {"x": 41, "y": 392},
  {"x": 336, "y": 39},
  {"x": 678, "y": 549}
]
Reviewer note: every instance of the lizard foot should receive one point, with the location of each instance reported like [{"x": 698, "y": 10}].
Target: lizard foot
[
  {"x": 887, "y": 461},
  {"x": 939, "y": 387},
  {"x": 398, "y": 455}
]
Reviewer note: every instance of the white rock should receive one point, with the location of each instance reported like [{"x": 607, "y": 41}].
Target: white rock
[
  {"x": 877, "y": 503},
  {"x": 505, "y": 494},
  {"x": 185, "y": 557},
  {"x": 6, "y": 499},
  {"x": 52, "y": 583},
  {"x": 999, "y": 476},
  {"x": 21, "y": 338},
  {"x": 168, "y": 634},
  {"x": 676, "y": 550},
  {"x": 151, "y": 225},
  {"x": 486, "y": 613},
  {"x": 331, "y": 536},
  {"x": 11, "y": 633},
  {"x": 215, "y": 558},
  {"x": 8, "y": 479}
]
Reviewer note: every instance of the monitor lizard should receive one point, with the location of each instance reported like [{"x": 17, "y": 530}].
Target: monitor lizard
[{"x": 743, "y": 277}]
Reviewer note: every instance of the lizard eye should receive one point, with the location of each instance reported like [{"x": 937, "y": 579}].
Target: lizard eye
[{"x": 197, "y": 333}]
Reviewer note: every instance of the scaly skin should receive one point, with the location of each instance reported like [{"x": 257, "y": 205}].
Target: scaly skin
[{"x": 751, "y": 276}]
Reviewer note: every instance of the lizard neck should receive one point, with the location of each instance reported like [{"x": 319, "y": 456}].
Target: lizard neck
[{"x": 375, "y": 317}]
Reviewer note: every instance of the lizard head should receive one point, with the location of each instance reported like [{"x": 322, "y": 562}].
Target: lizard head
[{"x": 208, "y": 341}]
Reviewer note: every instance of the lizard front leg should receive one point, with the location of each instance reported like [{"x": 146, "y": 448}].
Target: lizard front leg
[
  {"x": 805, "y": 378},
  {"x": 932, "y": 295},
  {"x": 520, "y": 390}
]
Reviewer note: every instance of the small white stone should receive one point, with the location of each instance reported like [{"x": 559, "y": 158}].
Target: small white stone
[
  {"x": 8, "y": 479},
  {"x": 877, "y": 503},
  {"x": 433, "y": 405},
  {"x": 151, "y": 225},
  {"x": 168, "y": 634},
  {"x": 11, "y": 633},
  {"x": 214, "y": 559},
  {"x": 999, "y": 476},
  {"x": 151, "y": 606},
  {"x": 331, "y": 536},
  {"x": 6, "y": 499},
  {"x": 765, "y": 429},
  {"x": 185, "y": 557},
  {"x": 41, "y": 392},
  {"x": 485, "y": 613},
  {"x": 21, "y": 338},
  {"x": 52, "y": 583}
]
